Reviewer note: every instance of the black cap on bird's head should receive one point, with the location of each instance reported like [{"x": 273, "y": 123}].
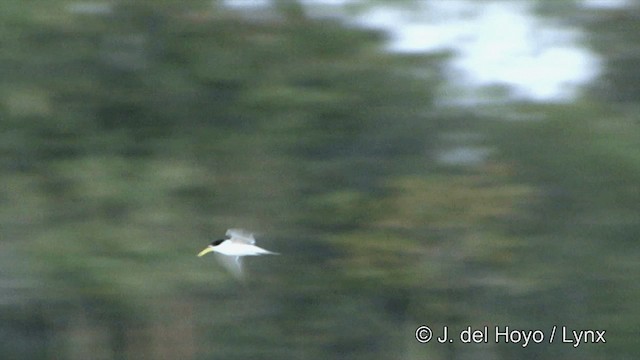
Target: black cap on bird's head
[
  {"x": 218, "y": 242},
  {"x": 213, "y": 244}
]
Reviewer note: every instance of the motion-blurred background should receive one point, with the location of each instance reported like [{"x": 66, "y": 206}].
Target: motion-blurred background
[{"x": 459, "y": 163}]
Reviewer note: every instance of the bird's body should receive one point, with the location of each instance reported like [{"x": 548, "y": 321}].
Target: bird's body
[
  {"x": 236, "y": 244},
  {"x": 231, "y": 248}
]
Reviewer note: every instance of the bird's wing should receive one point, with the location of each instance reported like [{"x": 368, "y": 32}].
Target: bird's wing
[
  {"x": 231, "y": 263},
  {"x": 241, "y": 236}
]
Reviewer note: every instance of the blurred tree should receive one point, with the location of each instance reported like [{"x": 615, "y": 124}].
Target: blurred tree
[
  {"x": 138, "y": 127},
  {"x": 134, "y": 130}
]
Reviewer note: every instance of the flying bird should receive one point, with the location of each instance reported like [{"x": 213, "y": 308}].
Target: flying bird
[{"x": 236, "y": 244}]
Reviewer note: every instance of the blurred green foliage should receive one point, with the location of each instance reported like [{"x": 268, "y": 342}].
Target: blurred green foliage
[{"x": 134, "y": 132}]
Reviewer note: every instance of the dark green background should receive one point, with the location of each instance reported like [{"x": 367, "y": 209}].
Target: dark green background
[{"x": 132, "y": 134}]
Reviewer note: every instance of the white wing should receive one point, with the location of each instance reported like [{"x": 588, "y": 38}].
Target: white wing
[
  {"x": 231, "y": 263},
  {"x": 241, "y": 235}
]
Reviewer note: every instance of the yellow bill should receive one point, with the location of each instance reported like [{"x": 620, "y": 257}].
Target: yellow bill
[{"x": 206, "y": 250}]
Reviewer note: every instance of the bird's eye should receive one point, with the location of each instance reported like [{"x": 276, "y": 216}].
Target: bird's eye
[{"x": 217, "y": 242}]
